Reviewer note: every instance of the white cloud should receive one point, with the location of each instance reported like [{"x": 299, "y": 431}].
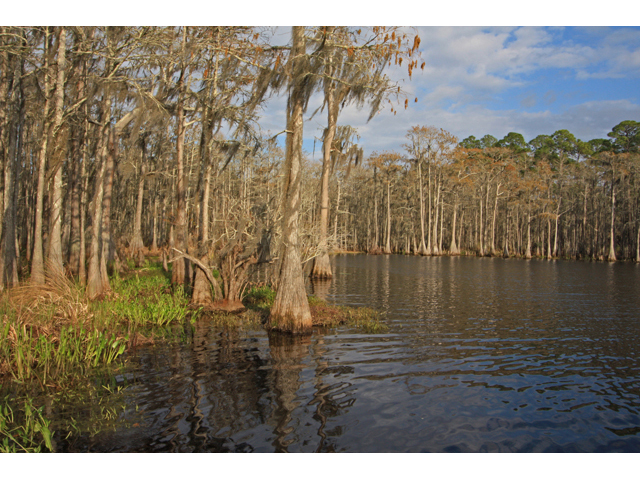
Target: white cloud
[{"x": 468, "y": 68}]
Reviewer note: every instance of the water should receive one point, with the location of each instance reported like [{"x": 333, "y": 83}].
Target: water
[{"x": 482, "y": 355}]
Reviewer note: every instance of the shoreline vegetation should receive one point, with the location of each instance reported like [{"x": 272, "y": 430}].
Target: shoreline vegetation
[
  {"x": 54, "y": 339},
  {"x": 118, "y": 142}
]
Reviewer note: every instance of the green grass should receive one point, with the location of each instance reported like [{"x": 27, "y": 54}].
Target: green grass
[
  {"x": 51, "y": 330},
  {"x": 259, "y": 297},
  {"x": 25, "y": 429}
]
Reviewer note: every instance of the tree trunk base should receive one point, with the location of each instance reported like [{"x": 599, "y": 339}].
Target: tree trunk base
[
  {"x": 201, "y": 294},
  {"x": 321, "y": 267},
  {"x": 229, "y": 306}
]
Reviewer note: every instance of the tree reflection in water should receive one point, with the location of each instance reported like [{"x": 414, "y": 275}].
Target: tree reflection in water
[{"x": 287, "y": 355}]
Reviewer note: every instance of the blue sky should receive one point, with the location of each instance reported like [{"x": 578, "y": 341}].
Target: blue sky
[
  {"x": 477, "y": 80},
  {"x": 494, "y": 80}
]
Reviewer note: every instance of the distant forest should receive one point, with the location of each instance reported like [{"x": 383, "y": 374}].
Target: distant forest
[{"x": 120, "y": 142}]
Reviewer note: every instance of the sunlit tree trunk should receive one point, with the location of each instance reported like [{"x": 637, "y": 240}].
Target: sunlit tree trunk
[
  {"x": 612, "y": 249},
  {"x": 493, "y": 221},
  {"x": 423, "y": 247},
  {"x": 429, "y": 250},
  {"x": 453, "y": 247},
  {"x": 387, "y": 243},
  {"x": 290, "y": 311},
  {"x": 136, "y": 243},
  {"x": 37, "y": 258},
  {"x": 54, "y": 253},
  {"x": 434, "y": 246},
  {"x": 108, "y": 247},
  {"x": 555, "y": 236},
  {"x": 638, "y": 243},
  {"x": 179, "y": 271},
  {"x": 95, "y": 285},
  {"x": 321, "y": 264},
  {"x": 481, "y": 227},
  {"x": 527, "y": 253}
]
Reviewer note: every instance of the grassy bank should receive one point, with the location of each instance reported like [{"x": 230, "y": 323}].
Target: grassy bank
[{"x": 51, "y": 330}]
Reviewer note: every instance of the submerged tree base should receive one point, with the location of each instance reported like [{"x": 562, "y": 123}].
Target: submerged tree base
[
  {"x": 322, "y": 267},
  {"x": 323, "y": 315}
]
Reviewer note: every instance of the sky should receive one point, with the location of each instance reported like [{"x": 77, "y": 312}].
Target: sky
[
  {"x": 496, "y": 80},
  {"x": 477, "y": 79}
]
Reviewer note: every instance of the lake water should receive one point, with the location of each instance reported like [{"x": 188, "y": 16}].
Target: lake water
[{"x": 482, "y": 355}]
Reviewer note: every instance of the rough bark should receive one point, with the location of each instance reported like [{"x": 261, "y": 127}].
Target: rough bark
[
  {"x": 12, "y": 105},
  {"x": 321, "y": 264},
  {"x": 179, "y": 271},
  {"x": 290, "y": 311},
  {"x": 37, "y": 258},
  {"x": 136, "y": 243},
  {"x": 54, "y": 251}
]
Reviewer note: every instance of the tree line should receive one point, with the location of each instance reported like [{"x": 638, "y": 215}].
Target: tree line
[{"x": 553, "y": 197}]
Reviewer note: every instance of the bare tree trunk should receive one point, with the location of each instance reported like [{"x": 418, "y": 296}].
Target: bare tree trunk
[
  {"x": 335, "y": 223},
  {"x": 555, "y": 236},
  {"x": 527, "y": 253},
  {"x": 54, "y": 253},
  {"x": 136, "y": 243},
  {"x": 481, "y": 226},
  {"x": 453, "y": 248},
  {"x": 429, "y": 215},
  {"x": 78, "y": 157},
  {"x": 13, "y": 106},
  {"x": 612, "y": 249},
  {"x": 423, "y": 247},
  {"x": 493, "y": 222},
  {"x": 95, "y": 286},
  {"x": 290, "y": 311},
  {"x": 505, "y": 248},
  {"x": 154, "y": 242},
  {"x": 321, "y": 264},
  {"x": 108, "y": 247},
  {"x": 37, "y": 258},
  {"x": 376, "y": 245},
  {"x": 548, "y": 239},
  {"x": 82, "y": 273},
  {"x": 387, "y": 244},
  {"x": 95, "y": 280},
  {"x": 638, "y": 244},
  {"x": 179, "y": 271},
  {"x": 441, "y": 228}
]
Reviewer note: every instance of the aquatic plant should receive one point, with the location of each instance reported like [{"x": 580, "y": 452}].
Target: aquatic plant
[{"x": 26, "y": 430}]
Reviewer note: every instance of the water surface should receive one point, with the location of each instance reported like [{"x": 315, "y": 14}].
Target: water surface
[{"x": 482, "y": 355}]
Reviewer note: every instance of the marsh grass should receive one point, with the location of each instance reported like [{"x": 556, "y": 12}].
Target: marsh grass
[
  {"x": 51, "y": 330},
  {"x": 326, "y": 315},
  {"x": 24, "y": 429}
]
